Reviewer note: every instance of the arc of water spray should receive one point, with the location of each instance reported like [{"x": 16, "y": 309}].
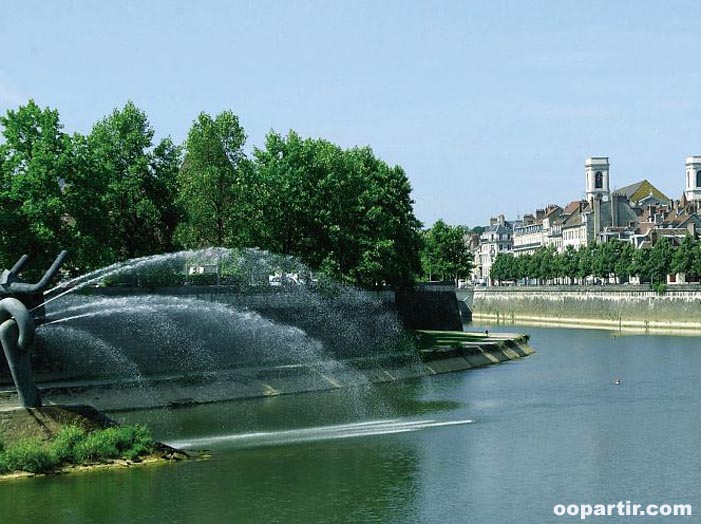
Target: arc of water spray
[{"x": 116, "y": 269}]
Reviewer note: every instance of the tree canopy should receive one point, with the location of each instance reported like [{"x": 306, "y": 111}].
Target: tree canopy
[
  {"x": 445, "y": 254},
  {"x": 116, "y": 193},
  {"x": 34, "y": 158},
  {"x": 213, "y": 183},
  {"x": 344, "y": 211}
]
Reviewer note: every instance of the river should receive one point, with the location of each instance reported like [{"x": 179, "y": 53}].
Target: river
[{"x": 502, "y": 444}]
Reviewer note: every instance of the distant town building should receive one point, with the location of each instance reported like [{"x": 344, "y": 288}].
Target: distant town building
[
  {"x": 643, "y": 193},
  {"x": 497, "y": 238},
  {"x": 693, "y": 179},
  {"x": 596, "y": 172},
  {"x": 638, "y": 213}
]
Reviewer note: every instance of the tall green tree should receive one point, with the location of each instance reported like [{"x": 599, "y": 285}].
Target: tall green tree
[
  {"x": 216, "y": 189},
  {"x": 34, "y": 157},
  {"x": 570, "y": 263},
  {"x": 639, "y": 263},
  {"x": 84, "y": 194},
  {"x": 445, "y": 253},
  {"x": 344, "y": 211},
  {"x": 622, "y": 264},
  {"x": 684, "y": 255},
  {"x": 660, "y": 261},
  {"x": 136, "y": 183},
  {"x": 504, "y": 267}
]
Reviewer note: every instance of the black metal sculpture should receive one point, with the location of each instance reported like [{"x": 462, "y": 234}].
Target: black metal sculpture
[{"x": 21, "y": 307}]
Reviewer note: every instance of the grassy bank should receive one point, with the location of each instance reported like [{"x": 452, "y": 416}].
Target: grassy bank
[{"x": 73, "y": 445}]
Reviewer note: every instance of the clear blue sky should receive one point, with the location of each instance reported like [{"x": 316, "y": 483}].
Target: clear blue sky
[{"x": 489, "y": 106}]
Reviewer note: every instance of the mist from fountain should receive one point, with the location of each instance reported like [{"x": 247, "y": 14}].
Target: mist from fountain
[{"x": 148, "y": 321}]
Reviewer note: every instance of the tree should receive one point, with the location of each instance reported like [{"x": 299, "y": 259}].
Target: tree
[
  {"x": 387, "y": 218},
  {"x": 345, "y": 211},
  {"x": 684, "y": 255},
  {"x": 545, "y": 263},
  {"x": 90, "y": 231},
  {"x": 504, "y": 267},
  {"x": 33, "y": 159},
  {"x": 162, "y": 187},
  {"x": 660, "y": 261},
  {"x": 696, "y": 263},
  {"x": 215, "y": 184},
  {"x": 135, "y": 183},
  {"x": 570, "y": 263},
  {"x": 584, "y": 268},
  {"x": 445, "y": 252},
  {"x": 622, "y": 264},
  {"x": 639, "y": 263},
  {"x": 523, "y": 266}
]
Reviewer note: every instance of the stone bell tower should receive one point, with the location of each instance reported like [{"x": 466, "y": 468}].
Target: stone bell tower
[
  {"x": 693, "y": 178},
  {"x": 596, "y": 171}
]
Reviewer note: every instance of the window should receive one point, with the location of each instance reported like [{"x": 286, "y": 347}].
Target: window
[
  {"x": 598, "y": 180},
  {"x": 698, "y": 178}
]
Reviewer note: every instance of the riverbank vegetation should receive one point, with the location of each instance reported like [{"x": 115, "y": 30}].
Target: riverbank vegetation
[
  {"x": 613, "y": 261},
  {"x": 73, "y": 445}
]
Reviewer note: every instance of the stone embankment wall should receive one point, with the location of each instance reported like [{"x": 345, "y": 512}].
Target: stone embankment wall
[
  {"x": 624, "y": 307},
  {"x": 182, "y": 389},
  {"x": 429, "y": 309}
]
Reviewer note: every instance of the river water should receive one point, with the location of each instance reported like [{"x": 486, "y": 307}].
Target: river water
[{"x": 502, "y": 444}]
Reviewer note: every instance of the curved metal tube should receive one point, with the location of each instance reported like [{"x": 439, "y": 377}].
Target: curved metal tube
[
  {"x": 13, "y": 308},
  {"x": 19, "y": 264},
  {"x": 21, "y": 287},
  {"x": 16, "y": 334}
]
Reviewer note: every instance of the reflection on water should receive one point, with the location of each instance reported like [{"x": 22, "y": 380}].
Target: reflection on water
[{"x": 549, "y": 429}]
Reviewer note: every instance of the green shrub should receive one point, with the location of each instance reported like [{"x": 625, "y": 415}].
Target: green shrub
[
  {"x": 74, "y": 445},
  {"x": 95, "y": 446},
  {"x": 65, "y": 443},
  {"x": 31, "y": 455},
  {"x": 127, "y": 441}
]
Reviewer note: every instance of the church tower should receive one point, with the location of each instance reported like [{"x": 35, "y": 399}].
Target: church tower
[
  {"x": 596, "y": 170},
  {"x": 693, "y": 178}
]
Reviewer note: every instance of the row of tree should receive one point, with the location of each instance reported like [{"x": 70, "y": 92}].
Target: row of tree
[
  {"x": 612, "y": 260},
  {"x": 116, "y": 194}
]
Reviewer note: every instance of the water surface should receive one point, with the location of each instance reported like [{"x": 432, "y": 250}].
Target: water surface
[{"x": 500, "y": 444}]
